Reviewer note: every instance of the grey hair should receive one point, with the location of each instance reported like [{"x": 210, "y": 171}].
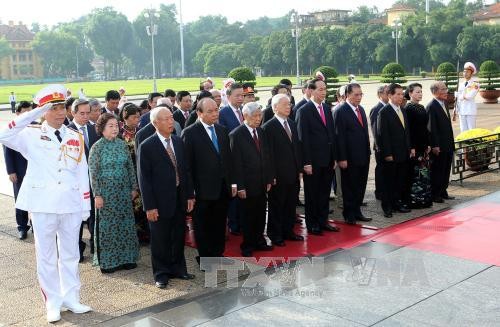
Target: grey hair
[
  {"x": 76, "y": 103},
  {"x": 435, "y": 86},
  {"x": 165, "y": 101},
  {"x": 215, "y": 91},
  {"x": 250, "y": 108},
  {"x": 93, "y": 102},
  {"x": 381, "y": 89},
  {"x": 155, "y": 111},
  {"x": 277, "y": 98}
]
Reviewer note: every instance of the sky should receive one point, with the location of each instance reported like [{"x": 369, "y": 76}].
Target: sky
[{"x": 51, "y": 12}]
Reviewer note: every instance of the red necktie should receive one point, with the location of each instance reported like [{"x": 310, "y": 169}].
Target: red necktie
[
  {"x": 358, "y": 113},
  {"x": 322, "y": 114},
  {"x": 240, "y": 116},
  {"x": 256, "y": 140}
]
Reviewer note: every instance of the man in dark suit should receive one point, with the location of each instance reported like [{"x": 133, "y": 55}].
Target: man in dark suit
[
  {"x": 442, "y": 142},
  {"x": 208, "y": 156},
  {"x": 184, "y": 101},
  {"x": 383, "y": 100},
  {"x": 111, "y": 102},
  {"x": 16, "y": 166},
  {"x": 306, "y": 91},
  {"x": 80, "y": 110},
  {"x": 170, "y": 94},
  {"x": 152, "y": 103},
  {"x": 253, "y": 177},
  {"x": 393, "y": 142},
  {"x": 231, "y": 117},
  {"x": 166, "y": 196},
  {"x": 353, "y": 152},
  {"x": 283, "y": 138},
  {"x": 316, "y": 132}
]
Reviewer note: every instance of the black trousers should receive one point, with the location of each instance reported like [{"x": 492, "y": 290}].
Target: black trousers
[
  {"x": 281, "y": 218},
  {"x": 395, "y": 176},
  {"x": 440, "y": 172},
  {"x": 378, "y": 175},
  {"x": 353, "y": 180},
  {"x": 21, "y": 215},
  {"x": 90, "y": 225},
  {"x": 209, "y": 223},
  {"x": 167, "y": 244},
  {"x": 253, "y": 222},
  {"x": 13, "y": 107},
  {"x": 317, "y": 195}
]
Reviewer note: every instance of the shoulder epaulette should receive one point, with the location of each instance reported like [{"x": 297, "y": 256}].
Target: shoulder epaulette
[{"x": 35, "y": 126}]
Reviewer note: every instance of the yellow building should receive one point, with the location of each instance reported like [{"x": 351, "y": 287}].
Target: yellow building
[
  {"x": 488, "y": 16},
  {"x": 23, "y": 63},
  {"x": 397, "y": 12}
]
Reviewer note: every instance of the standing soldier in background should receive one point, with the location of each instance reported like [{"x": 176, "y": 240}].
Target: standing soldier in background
[
  {"x": 57, "y": 169},
  {"x": 12, "y": 101},
  {"x": 466, "y": 106}
]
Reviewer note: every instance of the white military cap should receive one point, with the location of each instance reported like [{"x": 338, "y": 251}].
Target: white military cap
[
  {"x": 470, "y": 65},
  {"x": 51, "y": 93}
]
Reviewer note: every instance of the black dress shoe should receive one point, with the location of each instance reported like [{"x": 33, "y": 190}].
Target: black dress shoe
[
  {"x": 82, "y": 258},
  {"x": 246, "y": 253},
  {"x": 161, "y": 285},
  {"x": 22, "y": 234},
  {"x": 185, "y": 276},
  {"x": 363, "y": 218},
  {"x": 294, "y": 237},
  {"x": 109, "y": 270},
  {"x": 265, "y": 247},
  {"x": 387, "y": 213},
  {"x": 447, "y": 197},
  {"x": 129, "y": 266},
  {"x": 438, "y": 199},
  {"x": 403, "y": 209},
  {"x": 330, "y": 228},
  {"x": 350, "y": 221},
  {"x": 315, "y": 231},
  {"x": 279, "y": 243}
]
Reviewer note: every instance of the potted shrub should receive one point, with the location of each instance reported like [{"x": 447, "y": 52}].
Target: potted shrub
[
  {"x": 393, "y": 73},
  {"x": 447, "y": 73},
  {"x": 331, "y": 81},
  {"x": 490, "y": 72},
  {"x": 478, "y": 147}
]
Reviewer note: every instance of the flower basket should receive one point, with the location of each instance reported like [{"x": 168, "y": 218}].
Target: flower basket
[
  {"x": 479, "y": 148},
  {"x": 478, "y": 158}
]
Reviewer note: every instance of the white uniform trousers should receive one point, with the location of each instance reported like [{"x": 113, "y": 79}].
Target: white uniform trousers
[
  {"x": 57, "y": 256},
  {"x": 467, "y": 122}
]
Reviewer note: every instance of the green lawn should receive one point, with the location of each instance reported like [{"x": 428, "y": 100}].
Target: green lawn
[{"x": 137, "y": 87}]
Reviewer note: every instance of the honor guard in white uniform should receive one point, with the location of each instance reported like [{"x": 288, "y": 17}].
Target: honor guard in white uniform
[
  {"x": 466, "y": 105},
  {"x": 56, "y": 192}
]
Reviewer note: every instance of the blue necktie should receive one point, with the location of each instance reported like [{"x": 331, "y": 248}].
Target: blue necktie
[
  {"x": 214, "y": 138},
  {"x": 85, "y": 137}
]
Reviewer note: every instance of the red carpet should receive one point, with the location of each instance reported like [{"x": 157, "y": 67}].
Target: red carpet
[
  {"x": 468, "y": 233},
  {"x": 348, "y": 236}
]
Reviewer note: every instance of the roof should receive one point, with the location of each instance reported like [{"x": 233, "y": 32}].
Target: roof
[
  {"x": 16, "y": 33},
  {"x": 330, "y": 10},
  {"x": 401, "y": 7},
  {"x": 491, "y": 11}
]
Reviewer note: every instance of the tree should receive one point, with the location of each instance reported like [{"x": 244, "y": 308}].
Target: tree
[
  {"x": 478, "y": 43},
  {"x": 220, "y": 59},
  {"x": 242, "y": 74},
  {"x": 393, "y": 73},
  {"x": 56, "y": 63},
  {"x": 110, "y": 33},
  {"x": 364, "y": 14},
  {"x": 447, "y": 73},
  {"x": 5, "y": 48},
  {"x": 83, "y": 49}
]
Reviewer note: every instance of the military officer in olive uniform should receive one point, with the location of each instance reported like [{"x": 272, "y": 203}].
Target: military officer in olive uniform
[{"x": 56, "y": 192}]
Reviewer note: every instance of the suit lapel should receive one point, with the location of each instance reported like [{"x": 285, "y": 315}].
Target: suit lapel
[
  {"x": 163, "y": 151},
  {"x": 207, "y": 138},
  {"x": 316, "y": 113}
]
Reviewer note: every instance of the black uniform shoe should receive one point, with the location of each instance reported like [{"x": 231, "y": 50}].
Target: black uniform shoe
[{"x": 22, "y": 234}]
